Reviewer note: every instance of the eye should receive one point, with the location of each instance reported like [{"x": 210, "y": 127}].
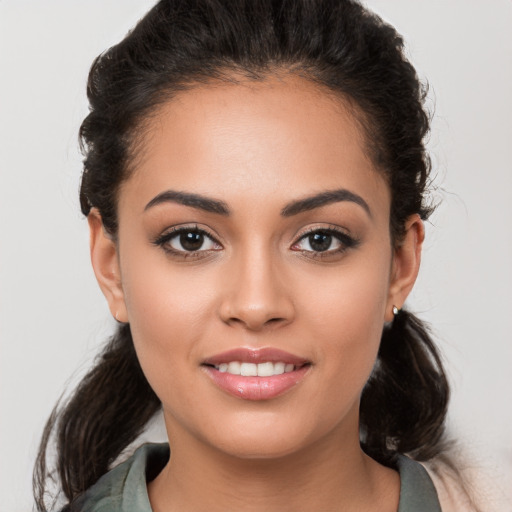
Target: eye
[
  {"x": 187, "y": 241},
  {"x": 329, "y": 241},
  {"x": 191, "y": 241}
]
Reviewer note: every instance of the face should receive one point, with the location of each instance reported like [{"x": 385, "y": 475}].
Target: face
[{"x": 254, "y": 265}]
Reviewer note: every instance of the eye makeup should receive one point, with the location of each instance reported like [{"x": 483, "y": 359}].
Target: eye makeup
[
  {"x": 192, "y": 241},
  {"x": 187, "y": 241},
  {"x": 322, "y": 243}
]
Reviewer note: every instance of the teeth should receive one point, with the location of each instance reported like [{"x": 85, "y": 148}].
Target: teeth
[
  {"x": 267, "y": 369},
  {"x": 248, "y": 370},
  {"x": 279, "y": 368},
  {"x": 234, "y": 368}
]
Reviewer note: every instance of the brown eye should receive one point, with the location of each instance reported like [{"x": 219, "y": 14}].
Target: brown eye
[
  {"x": 187, "y": 241},
  {"x": 191, "y": 241},
  {"x": 320, "y": 241},
  {"x": 324, "y": 241}
]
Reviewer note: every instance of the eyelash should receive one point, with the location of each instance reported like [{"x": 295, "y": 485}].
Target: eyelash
[
  {"x": 166, "y": 238},
  {"x": 346, "y": 242}
]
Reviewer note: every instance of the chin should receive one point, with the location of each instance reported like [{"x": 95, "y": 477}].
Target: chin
[
  {"x": 270, "y": 447},
  {"x": 268, "y": 437}
]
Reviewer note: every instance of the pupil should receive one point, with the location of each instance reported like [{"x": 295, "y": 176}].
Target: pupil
[
  {"x": 320, "y": 241},
  {"x": 191, "y": 241}
]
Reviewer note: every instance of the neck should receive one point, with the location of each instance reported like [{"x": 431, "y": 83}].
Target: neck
[{"x": 332, "y": 474}]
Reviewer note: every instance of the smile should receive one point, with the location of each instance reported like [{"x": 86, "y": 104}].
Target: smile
[
  {"x": 267, "y": 369},
  {"x": 252, "y": 374}
]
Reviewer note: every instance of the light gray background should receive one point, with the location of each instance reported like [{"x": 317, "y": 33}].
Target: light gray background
[{"x": 53, "y": 317}]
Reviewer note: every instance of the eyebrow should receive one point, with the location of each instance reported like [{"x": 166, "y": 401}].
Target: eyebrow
[
  {"x": 188, "y": 199},
  {"x": 323, "y": 199},
  {"x": 211, "y": 205}
]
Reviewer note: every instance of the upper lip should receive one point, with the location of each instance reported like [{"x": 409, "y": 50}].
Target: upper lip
[{"x": 252, "y": 355}]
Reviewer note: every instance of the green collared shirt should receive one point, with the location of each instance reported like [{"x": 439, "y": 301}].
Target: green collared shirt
[{"x": 124, "y": 489}]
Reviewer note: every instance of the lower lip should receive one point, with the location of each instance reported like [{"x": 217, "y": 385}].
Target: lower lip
[{"x": 257, "y": 388}]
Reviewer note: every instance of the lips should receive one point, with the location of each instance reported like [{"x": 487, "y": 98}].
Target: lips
[{"x": 256, "y": 374}]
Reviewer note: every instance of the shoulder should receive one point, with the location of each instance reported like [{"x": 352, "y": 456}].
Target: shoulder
[
  {"x": 417, "y": 491},
  {"x": 460, "y": 489},
  {"x": 125, "y": 486}
]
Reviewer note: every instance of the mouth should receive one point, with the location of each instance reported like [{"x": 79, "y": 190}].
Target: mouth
[
  {"x": 267, "y": 369},
  {"x": 256, "y": 374}
]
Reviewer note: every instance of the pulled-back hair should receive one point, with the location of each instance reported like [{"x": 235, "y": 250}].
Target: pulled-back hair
[{"x": 338, "y": 45}]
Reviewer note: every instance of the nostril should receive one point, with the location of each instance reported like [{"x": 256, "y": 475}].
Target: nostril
[
  {"x": 254, "y": 323},
  {"x": 274, "y": 320}
]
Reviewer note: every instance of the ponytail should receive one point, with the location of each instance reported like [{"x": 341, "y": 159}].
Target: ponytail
[
  {"x": 108, "y": 410},
  {"x": 404, "y": 403}
]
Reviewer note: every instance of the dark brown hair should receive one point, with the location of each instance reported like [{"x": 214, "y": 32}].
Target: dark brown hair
[{"x": 337, "y": 44}]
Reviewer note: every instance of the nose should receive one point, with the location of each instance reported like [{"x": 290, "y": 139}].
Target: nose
[{"x": 257, "y": 295}]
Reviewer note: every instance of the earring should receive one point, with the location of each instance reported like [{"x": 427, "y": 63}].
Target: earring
[{"x": 395, "y": 310}]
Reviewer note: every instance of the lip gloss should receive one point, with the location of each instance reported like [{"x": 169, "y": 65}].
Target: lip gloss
[
  {"x": 256, "y": 388},
  {"x": 253, "y": 387}
]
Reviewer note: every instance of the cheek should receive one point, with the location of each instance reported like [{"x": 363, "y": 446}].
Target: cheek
[
  {"x": 161, "y": 297},
  {"x": 168, "y": 314},
  {"x": 346, "y": 315},
  {"x": 351, "y": 298}
]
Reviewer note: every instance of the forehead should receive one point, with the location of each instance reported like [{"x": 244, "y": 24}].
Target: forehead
[{"x": 278, "y": 137}]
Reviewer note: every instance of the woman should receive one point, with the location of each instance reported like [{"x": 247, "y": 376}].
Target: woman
[{"x": 254, "y": 183}]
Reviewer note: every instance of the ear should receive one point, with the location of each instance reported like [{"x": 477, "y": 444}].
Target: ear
[
  {"x": 105, "y": 263},
  {"x": 406, "y": 264}
]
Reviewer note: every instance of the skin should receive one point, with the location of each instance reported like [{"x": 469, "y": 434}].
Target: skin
[{"x": 257, "y": 146}]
